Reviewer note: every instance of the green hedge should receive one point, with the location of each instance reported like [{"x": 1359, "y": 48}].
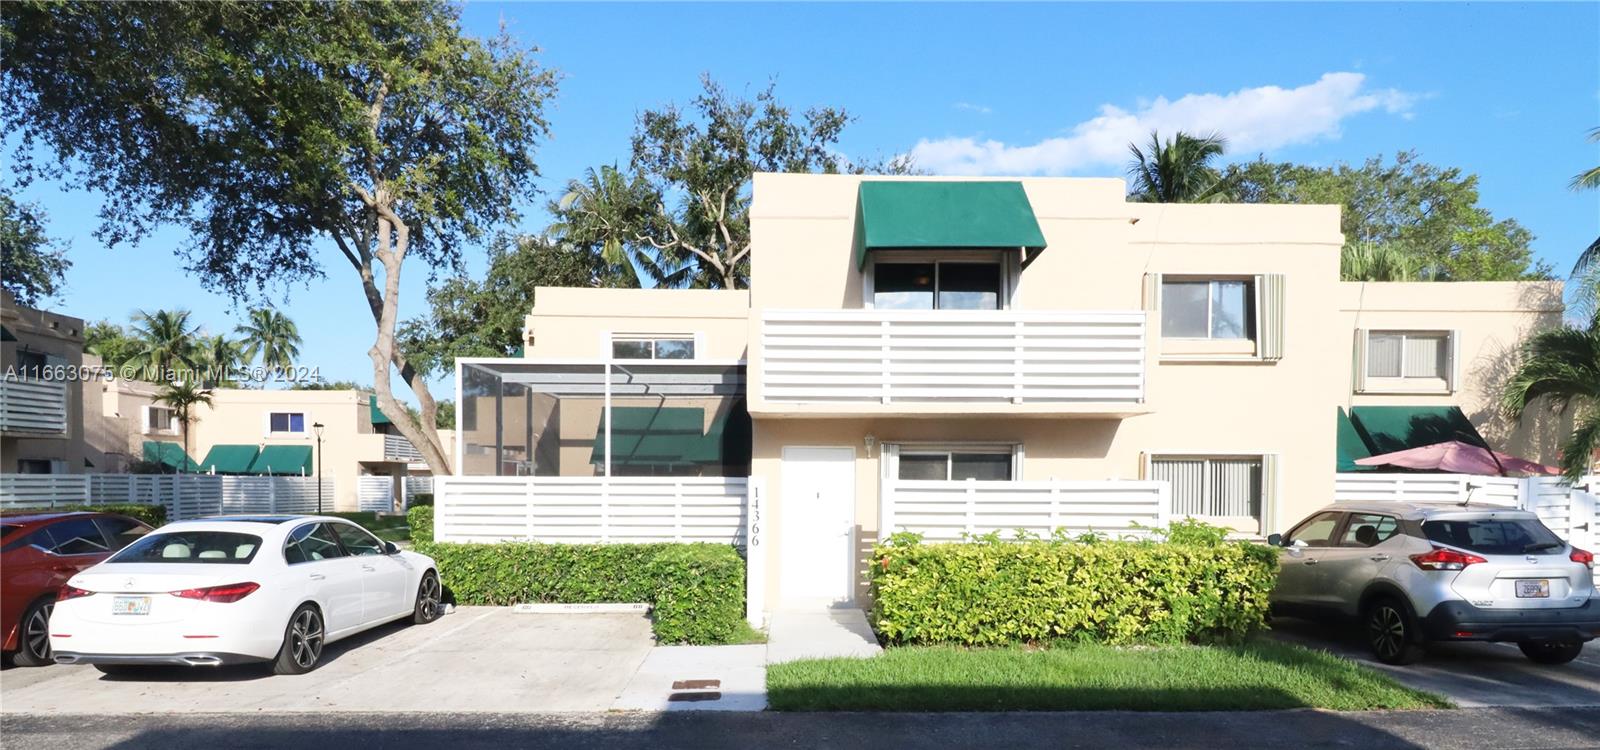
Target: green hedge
[
  {"x": 420, "y": 519},
  {"x": 993, "y": 592},
  {"x": 696, "y": 591},
  {"x": 155, "y": 515}
]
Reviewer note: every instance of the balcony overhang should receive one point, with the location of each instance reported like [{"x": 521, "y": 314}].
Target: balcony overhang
[
  {"x": 899, "y": 215},
  {"x": 762, "y": 409}
]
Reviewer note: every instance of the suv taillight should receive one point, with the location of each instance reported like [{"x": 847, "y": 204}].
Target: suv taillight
[
  {"x": 225, "y": 594},
  {"x": 71, "y": 592},
  {"x": 1445, "y": 559},
  {"x": 1582, "y": 556}
]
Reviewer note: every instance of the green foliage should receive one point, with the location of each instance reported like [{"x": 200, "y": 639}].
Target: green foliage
[
  {"x": 1427, "y": 212},
  {"x": 420, "y": 519},
  {"x": 1177, "y": 170},
  {"x": 696, "y": 591},
  {"x": 155, "y": 515},
  {"x": 444, "y": 417},
  {"x": 31, "y": 266},
  {"x": 1195, "y": 531},
  {"x": 1562, "y": 366},
  {"x": 1192, "y": 587},
  {"x": 1369, "y": 262},
  {"x": 472, "y": 318},
  {"x": 271, "y": 337},
  {"x": 111, "y": 342},
  {"x": 166, "y": 344}
]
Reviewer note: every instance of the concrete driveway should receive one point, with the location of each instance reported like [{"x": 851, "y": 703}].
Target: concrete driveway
[
  {"x": 493, "y": 659},
  {"x": 1469, "y": 674}
]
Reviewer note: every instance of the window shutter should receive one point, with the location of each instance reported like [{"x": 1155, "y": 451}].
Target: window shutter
[
  {"x": 1269, "y": 493},
  {"x": 1269, "y": 317},
  {"x": 1152, "y": 291},
  {"x": 144, "y": 418},
  {"x": 1454, "y": 365},
  {"x": 1359, "y": 356}
]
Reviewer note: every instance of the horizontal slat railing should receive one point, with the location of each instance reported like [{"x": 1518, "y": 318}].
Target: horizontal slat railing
[
  {"x": 1426, "y": 488},
  {"x": 953, "y": 510},
  {"x": 590, "y": 509},
  {"x": 185, "y": 496},
  {"x": 398, "y": 447},
  {"x": 33, "y": 407},
  {"x": 1002, "y": 356}
]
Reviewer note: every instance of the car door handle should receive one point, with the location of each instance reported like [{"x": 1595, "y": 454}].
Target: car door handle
[
  {"x": 368, "y": 568},
  {"x": 1379, "y": 558},
  {"x": 318, "y": 577},
  {"x": 1311, "y": 561}
]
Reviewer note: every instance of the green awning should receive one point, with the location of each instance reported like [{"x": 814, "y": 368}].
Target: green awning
[
  {"x": 925, "y": 214},
  {"x": 170, "y": 455},
  {"x": 283, "y": 459},
  {"x": 229, "y": 459},
  {"x": 1385, "y": 429},
  {"x": 650, "y": 436},
  {"x": 727, "y": 441},
  {"x": 377, "y": 414},
  {"x": 5, "y": 334},
  {"x": 1350, "y": 445}
]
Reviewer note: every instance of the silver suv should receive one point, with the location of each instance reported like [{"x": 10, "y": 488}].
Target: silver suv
[{"x": 1413, "y": 573}]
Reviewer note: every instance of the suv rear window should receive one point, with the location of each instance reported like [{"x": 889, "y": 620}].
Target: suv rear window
[
  {"x": 1493, "y": 536},
  {"x": 220, "y": 547}
]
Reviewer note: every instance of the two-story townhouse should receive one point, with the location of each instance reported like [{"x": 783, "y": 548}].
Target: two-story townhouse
[
  {"x": 932, "y": 334},
  {"x": 42, "y": 392}
]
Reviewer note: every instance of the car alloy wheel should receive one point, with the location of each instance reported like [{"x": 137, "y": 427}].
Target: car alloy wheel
[
  {"x": 305, "y": 639},
  {"x": 35, "y": 645},
  {"x": 1387, "y": 630},
  {"x": 429, "y": 597}
]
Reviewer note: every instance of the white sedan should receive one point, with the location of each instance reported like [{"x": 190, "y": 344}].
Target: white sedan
[{"x": 239, "y": 589}]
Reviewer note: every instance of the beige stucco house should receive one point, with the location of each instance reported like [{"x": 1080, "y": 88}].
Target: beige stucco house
[
  {"x": 42, "y": 429},
  {"x": 1031, "y": 331}
]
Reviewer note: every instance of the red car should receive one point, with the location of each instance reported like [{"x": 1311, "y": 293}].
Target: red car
[{"x": 38, "y": 553}]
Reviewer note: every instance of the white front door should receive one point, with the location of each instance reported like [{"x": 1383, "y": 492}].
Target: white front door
[{"x": 817, "y": 533}]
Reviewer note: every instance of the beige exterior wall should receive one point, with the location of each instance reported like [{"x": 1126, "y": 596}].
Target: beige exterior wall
[
  {"x": 578, "y": 323},
  {"x": 60, "y": 339}
]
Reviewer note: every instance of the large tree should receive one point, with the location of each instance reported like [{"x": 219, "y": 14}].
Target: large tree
[
  {"x": 182, "y": 396},
  {"x": 271, "y": 337},
  {"x": 277, "y": 133},
  {"x": 1428, "y": 212},
  {"x": 32, "y": 266},
  {"x": 680, "y": 211},
  {"x": 166, "y": 345},
  {"x": 1563, "y": 365},
  {"x": 1177, "y": 170},
  {"x": 484, "y": 318}
]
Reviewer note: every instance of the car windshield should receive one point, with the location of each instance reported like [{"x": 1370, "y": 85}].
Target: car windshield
[
  {"x": 220, "y": 547},
  {"x": 1493, "y": 536}
]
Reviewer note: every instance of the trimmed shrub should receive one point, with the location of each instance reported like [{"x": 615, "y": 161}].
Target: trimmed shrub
[
  {"x": 993, "y": 592},
  {"x": 155, "y": 515},
  {"x": 420, "y": 519},
  {"x": 421, "y": 498},
  {"x": 696, "y": 591}
]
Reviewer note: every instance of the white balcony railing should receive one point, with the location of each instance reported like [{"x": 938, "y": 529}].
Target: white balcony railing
[
  {"x": 33, "y": 407},
  {"x": 398, "y": 448},
  {"x": 953, "y": 510},
  {"x": 952, "y": 356}
]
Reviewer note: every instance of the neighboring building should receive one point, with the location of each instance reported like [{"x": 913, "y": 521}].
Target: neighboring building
[
  {"x": 988, "y": 330},
  {"x": 41, "y": 392}
]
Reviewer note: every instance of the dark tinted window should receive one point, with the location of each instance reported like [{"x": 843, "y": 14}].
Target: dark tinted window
[
  {"x": 1493, "y": 536},
  {"x": 1317, "y": 531},
  {"x": 902, "y": 286},
  {"x": 358, "y": 542},
  {"x": 969, "y": 286},
  {"x": 218, "y": 547},
  {"x": 924, "y": 466},
  {"x": 982, "y": 466},
  {"x": 1368, "y": 529},
  {"x": 311, "y": 543},
  {"x": 630, "y": 349},
  {"x": 122, "y": 531},
  {"x": 77, "y": 536},
  {"x": 7, "y": 528}
]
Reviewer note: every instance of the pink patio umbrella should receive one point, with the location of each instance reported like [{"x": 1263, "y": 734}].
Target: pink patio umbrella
[{"x": 1459, "y": 458}]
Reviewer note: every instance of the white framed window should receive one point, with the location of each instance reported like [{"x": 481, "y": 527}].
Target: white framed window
[
  {"x": 984, "y": 463},
  {"x": 286, "y": 423},
  {"x": 651, "y": 346},
  {"x": 160, "y": 420},
  {"x": 1221, "y": 487},
  {"x": 1408, "y": 354},
  {"x": 1221, "y": 309}
]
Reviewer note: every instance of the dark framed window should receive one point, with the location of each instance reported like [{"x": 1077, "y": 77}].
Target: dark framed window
[
  {"x": 291, "y": 421},
  {"x": 937, "y": 285}
]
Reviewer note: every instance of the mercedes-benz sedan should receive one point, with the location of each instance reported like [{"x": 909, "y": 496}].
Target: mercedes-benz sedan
[{"x": 239, "y": 589}]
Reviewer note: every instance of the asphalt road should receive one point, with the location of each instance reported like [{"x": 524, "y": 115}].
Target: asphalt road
[{"x": 1465, "y": 729}]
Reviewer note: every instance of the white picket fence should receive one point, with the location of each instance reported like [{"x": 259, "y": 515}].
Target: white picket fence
[
  {"x": 184, "y": 495},
  {"x": 590, "y": 509},
  {"x": 375, "y": 493},
  {"x": 949, "y": 510},
  {"x": 1571, "y": 511}
]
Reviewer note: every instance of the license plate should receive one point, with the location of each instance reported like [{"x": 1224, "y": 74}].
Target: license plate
[
  {"x": 1533, "y": 589},
  {"x": 140, "y": 605}
]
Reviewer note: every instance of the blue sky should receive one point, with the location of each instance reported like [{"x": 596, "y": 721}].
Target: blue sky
[{"x": 1504, "y": 91}]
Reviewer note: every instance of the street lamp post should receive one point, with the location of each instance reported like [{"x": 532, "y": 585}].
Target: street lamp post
[{"x": 317, "y": 428}]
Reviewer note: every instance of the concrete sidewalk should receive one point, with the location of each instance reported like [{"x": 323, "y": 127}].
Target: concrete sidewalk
[{"x": 1465, "y": 729}]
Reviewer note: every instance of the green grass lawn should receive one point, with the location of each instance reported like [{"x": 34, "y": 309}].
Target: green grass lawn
[
  {"x": 1260, "y": 675},
  {"x": 387, "y": 528}
]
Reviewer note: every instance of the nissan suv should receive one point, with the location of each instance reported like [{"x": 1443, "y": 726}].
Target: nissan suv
[{"x": 1412, "y": 573}]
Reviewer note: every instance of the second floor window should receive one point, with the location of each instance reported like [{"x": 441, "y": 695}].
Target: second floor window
[
  {"x": 286, "y": 421},
  {"x": 160, "y": 419},
  {"x": 941, "y": 285},
  {"x": 652, "y": 347},
  {"x": 1397, "y": 354},
  {"x": 1208, "y": 309}
]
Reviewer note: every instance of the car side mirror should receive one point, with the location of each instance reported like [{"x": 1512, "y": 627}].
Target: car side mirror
[
  {"x": 1275, "y": 540},
  {"x": 389, "y": 548}
]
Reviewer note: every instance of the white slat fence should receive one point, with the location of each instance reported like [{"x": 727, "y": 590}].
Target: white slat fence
[
  {"x": 944, "y": 511},
  {"x": 590, "y": 509},
  {"x": 184, "y": 495}
]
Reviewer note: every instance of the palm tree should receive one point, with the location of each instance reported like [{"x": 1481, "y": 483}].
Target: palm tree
[
  {"x": 1371, "y": 262},
  {"x": 218, "y": 359},
  {"x": 164, "y": 343},
  {"x": 182, "y": 395},
  {"x": 1178, "y": 170},
  {"x": 1588, "y": 179},
  {"x": 1585, "y": 282},
  {"x": 271, "y": 336},
  {"x": 1563, "y": 364},
  {"x": 610, "y": 209}
]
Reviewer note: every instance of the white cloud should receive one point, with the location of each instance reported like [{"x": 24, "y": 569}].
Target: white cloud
[
  {"x": 970, "y": 107},
  {"x": 1253, "y": 120}
]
